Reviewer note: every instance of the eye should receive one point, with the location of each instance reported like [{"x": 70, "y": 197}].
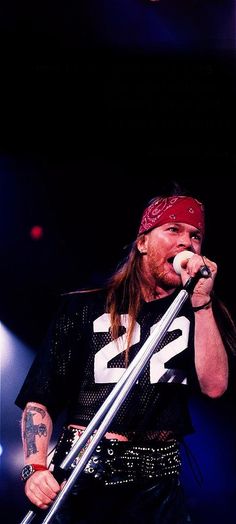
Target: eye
[
  {"x": 174, "y": 229},
  {"x": 196, "y": 236}
]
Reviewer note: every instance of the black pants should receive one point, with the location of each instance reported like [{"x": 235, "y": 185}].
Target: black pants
[{"x": 157, "y": 502}]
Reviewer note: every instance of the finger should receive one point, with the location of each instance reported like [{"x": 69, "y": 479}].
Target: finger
[
  {"x": 48, "y": 492},
  {"x": 37, "y": 497},
  {"x": 38, "y": 485},
  {"x": 195, "y": 265},
  {"x": 52, "y": 484}
]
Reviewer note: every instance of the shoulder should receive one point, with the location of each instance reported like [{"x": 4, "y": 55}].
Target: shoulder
[
  {"x": 75, "y": 311},
  {"x": 76, "y": 301}
]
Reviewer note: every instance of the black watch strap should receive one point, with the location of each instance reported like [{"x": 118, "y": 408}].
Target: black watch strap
[{"x": 29, "y": 469}]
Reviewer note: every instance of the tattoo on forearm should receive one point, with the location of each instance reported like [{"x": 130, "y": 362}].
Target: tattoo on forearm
[{"x": 31, "y": 429}]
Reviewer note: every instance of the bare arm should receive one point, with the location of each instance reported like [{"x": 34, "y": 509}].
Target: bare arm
[
  {"x": 36, "y": 433},
  {"x": 211, "y": 359},
  {"x": 41, "y": 488}
]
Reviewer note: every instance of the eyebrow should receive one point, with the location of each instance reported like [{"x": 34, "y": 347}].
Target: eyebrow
[{"x": 181, "y": 224}]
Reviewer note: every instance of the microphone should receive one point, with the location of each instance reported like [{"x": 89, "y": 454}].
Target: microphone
[{"x": 204, "y": 271}]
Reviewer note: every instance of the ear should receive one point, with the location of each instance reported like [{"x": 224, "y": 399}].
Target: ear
[{"x": 142, "y": 243}]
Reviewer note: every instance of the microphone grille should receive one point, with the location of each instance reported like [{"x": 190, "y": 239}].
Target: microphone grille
[{"x": 183, "y": 255}]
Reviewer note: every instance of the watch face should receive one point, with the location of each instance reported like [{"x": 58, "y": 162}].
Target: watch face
[{"x": 27, "y": 471}]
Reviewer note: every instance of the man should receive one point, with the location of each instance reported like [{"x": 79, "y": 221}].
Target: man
[{"x": 133, "y": 476}]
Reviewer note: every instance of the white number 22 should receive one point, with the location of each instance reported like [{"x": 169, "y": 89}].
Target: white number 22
[{"x": 104, "y": 374}]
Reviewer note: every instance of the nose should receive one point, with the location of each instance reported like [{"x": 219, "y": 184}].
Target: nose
[{"x": 185, "y": 241}]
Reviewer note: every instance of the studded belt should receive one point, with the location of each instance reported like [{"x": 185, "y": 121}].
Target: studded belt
[{"x": 117, "y": 462}]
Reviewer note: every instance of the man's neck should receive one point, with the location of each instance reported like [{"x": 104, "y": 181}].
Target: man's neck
[{"x": 155, "y": 294}]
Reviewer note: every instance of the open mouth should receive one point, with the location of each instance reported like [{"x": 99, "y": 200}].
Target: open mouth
[{"x": 170, "y": 260}]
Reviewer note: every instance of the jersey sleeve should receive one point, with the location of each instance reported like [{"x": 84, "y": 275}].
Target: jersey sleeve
[{"x": 53, "y": 374}]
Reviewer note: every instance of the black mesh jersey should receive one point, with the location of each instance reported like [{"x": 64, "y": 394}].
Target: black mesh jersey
[{"x": 79, "y": 364}]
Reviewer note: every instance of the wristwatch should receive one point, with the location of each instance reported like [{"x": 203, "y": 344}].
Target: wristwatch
[{"x": 29, "y": 469}]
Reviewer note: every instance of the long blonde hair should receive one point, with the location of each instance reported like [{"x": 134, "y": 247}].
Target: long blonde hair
[{"x": 124, "y": 292}]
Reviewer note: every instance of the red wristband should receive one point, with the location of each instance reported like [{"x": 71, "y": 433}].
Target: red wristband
[{"x": 39, "y": 467}]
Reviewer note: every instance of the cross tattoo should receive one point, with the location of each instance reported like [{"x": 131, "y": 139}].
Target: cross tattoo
[{"x": 31, "y": 429}]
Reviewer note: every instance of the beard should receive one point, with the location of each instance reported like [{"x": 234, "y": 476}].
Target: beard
[{"x": 162, "y": 273}]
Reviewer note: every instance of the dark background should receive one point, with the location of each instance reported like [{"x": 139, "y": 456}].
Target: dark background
[{"x": 102, "y": 104}]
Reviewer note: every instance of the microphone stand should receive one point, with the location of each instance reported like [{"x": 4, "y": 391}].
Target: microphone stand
[{"x": 113, "y": 402}]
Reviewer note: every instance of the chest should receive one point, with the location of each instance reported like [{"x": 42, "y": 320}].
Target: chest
[{"x": 169, "y": 360}]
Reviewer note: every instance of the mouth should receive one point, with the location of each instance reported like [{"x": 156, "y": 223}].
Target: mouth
[{"x": 170, "y": 260}]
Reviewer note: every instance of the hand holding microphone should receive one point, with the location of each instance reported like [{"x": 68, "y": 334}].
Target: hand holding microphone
[{"x": 203, "y": 272}]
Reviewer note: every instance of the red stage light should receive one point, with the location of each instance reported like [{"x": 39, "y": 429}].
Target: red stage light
[{"x": 36, "y": 232}]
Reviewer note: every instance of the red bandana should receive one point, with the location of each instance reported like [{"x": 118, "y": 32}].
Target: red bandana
[{"x": 173, "y": 209}]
